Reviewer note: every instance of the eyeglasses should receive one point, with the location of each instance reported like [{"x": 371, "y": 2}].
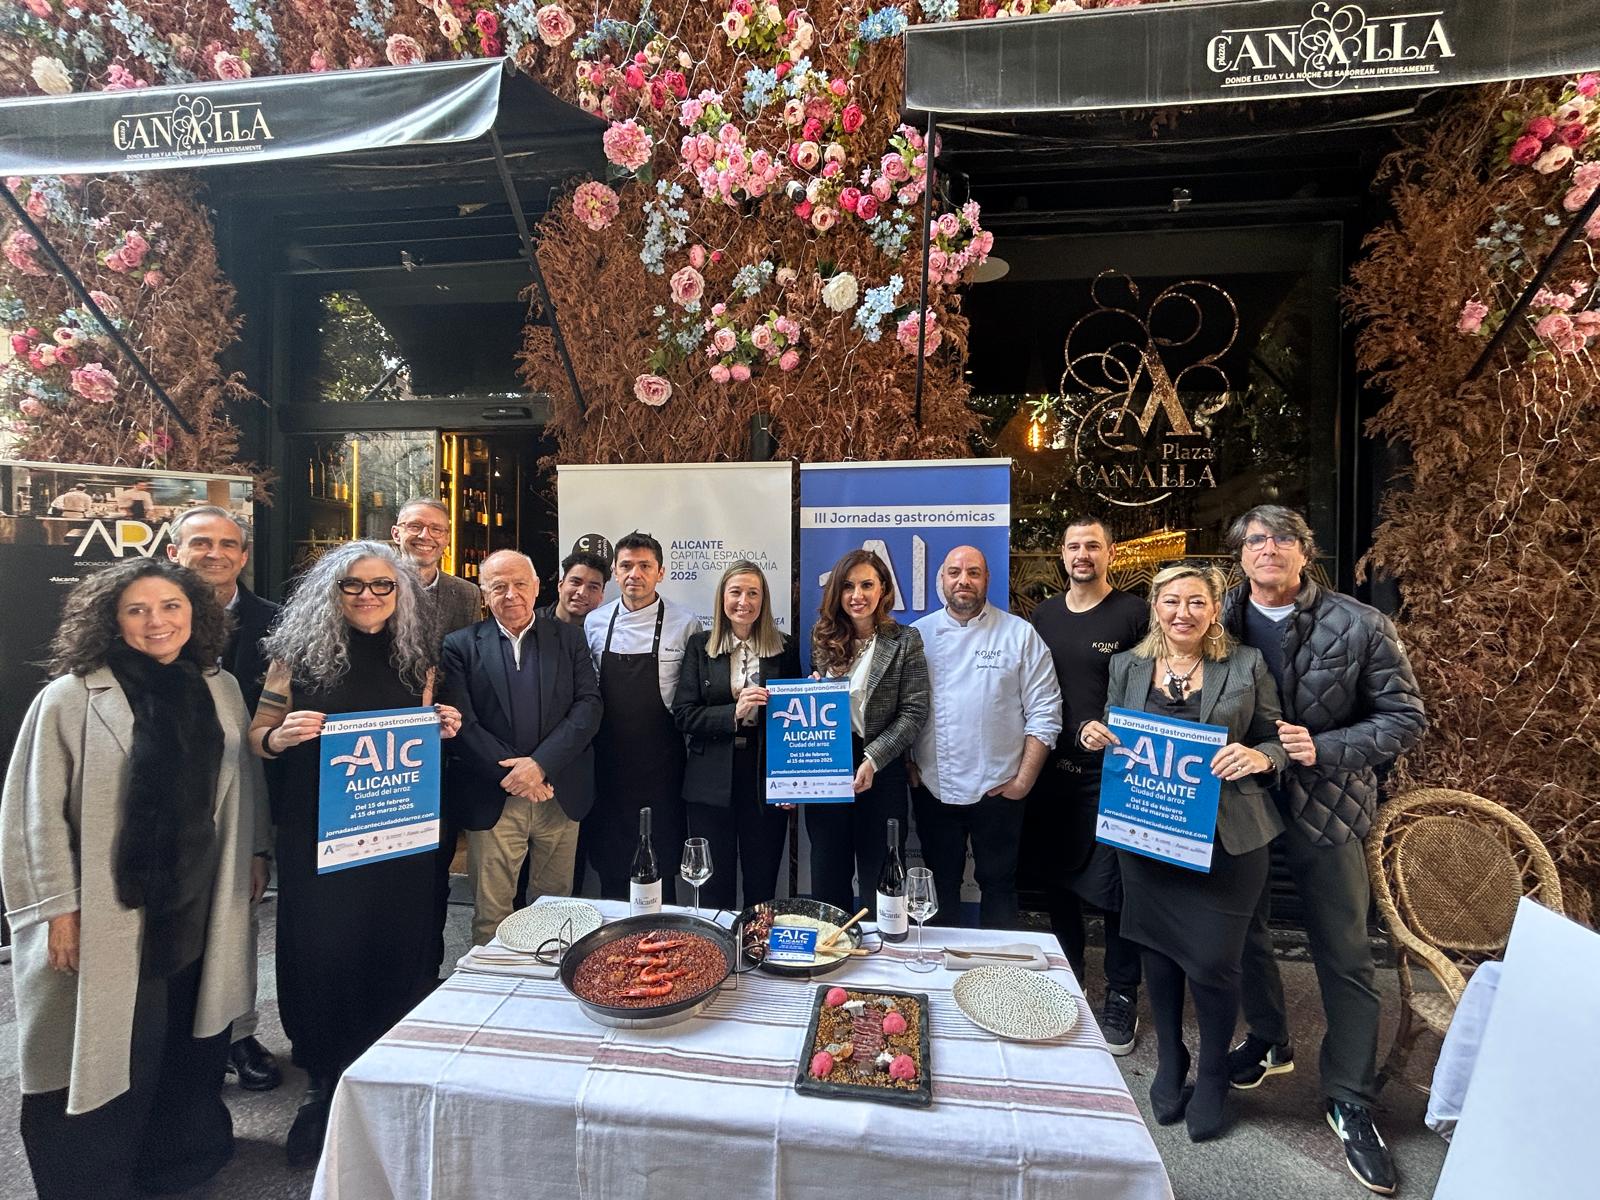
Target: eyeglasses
[
  {"x": 1283, "y": 541},
  {"x": 378, "y": 587},
  {"x": 418, "y": 528}
]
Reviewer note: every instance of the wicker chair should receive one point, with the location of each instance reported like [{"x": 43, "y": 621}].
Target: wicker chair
[{"x": 1448, "y": 869}]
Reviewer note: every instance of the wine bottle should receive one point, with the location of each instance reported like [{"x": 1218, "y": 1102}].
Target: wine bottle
[
  {"x": 892, "y": 890},
  {"x": 644, "y": 884}
]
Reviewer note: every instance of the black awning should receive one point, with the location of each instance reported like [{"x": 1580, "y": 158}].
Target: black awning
[
  {"x": 1232, "y": 50},
  {"x": 249, "y": 121}
]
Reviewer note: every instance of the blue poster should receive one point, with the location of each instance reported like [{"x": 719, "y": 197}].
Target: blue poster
[
  {"x": 911, "y": 514},
  {"x": 379, "y": 790},
  {"x": 808, "y": 742},
  {"x": 1158, "y": 796}
]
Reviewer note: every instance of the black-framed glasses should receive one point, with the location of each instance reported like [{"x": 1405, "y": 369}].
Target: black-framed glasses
[
  {"x": 418, "y": 528},
  {"x": 1283, "y": 541},
  {"x": 378, "y": 587}
]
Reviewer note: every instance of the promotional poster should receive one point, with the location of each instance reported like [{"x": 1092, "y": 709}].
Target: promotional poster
[
  {"x": 1158, "y": 796},
  {"x": 911, "y": 514},
  {"x": 379, "y": 787},
  {"x": 808, "y": 741},
  {"x": 706, "y": 516}
]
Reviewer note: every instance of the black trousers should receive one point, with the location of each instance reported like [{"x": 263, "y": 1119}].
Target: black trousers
[
  {"x": 449, "y": 834},
  {"x": 1336, "y": 894},
  {"x": 169, "y": 1131},
  {"x": 852, "y": 840},
  {"x": 1123, "y": 958},
  {"x": 994, "y": 827},
  {"x": 746, "y": 837}
]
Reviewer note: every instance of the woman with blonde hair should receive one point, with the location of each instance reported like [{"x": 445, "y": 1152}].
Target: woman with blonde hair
[
  {"x": 356, "y": 947},
  {"x": 1192, "y": 924},
  {"x": 719, "y": 707},
  {"x": 855, "y": 637}
]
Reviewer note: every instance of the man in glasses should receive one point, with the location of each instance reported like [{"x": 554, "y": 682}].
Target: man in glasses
[
  {"x": 1350, "y": 706},
  {"x": 422, "y": 531}
]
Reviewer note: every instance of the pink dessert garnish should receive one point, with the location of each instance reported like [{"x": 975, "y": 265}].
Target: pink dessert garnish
[
  {"x": 903, "y": 1068},
  {"x": 822, "y": 1063},
  {"x": 836, "y": 997},
  {"x": 893, "y": 1023}
]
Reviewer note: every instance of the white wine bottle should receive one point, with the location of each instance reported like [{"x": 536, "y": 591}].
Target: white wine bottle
[
  {"x": 892, "y": 890},
  {"x": 644, "y": 883}
]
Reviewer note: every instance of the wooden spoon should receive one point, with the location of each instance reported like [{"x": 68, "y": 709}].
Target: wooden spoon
[{"x": 839, "y": 932}]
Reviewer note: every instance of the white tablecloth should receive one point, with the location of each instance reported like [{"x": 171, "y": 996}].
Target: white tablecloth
[{"x": 501, "y": 1086}]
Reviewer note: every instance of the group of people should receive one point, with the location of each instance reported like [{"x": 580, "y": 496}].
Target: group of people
[{"x": 136, "y": 831}]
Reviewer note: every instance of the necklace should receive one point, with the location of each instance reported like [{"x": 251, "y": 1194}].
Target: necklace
[{"x": 1178, "y": 685}]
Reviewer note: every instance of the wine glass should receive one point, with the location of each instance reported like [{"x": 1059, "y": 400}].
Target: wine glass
[
  {"x": 696, "y": 868},
  {"x": 921, "y": 903}
]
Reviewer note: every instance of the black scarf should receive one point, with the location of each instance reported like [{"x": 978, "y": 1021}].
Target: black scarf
[{"x": 165, "y": 861}]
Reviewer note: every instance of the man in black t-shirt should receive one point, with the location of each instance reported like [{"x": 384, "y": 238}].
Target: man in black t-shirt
[{"x": 1084, "y": 627}]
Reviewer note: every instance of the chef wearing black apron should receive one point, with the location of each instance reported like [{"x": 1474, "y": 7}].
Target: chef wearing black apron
[{"x": 639, "y": 752}]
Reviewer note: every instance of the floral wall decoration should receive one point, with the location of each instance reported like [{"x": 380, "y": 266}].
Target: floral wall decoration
[
  {"x": 755, "y": 249},
  {"x": 1494, "y": 536}
]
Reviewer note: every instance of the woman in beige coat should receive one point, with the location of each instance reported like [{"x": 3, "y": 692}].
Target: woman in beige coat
[{"x": 131, "y": 814}]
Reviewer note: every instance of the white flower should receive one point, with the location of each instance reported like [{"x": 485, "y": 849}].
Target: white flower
[
  {"x": 840, "y": 292},
  {"x": 51, "y": 75}
]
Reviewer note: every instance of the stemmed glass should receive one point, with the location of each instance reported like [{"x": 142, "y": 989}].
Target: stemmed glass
[
  {"x": 921, "y": 903},
  {"x": 696, "y": 867}
]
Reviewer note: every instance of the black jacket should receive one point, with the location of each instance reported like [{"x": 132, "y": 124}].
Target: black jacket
[
  {"x": 1346, "y": 679},
  {"x": 569, "y": 713},
  {"x": 242, "y": 658},
  {"x": 703, "y": 708}
]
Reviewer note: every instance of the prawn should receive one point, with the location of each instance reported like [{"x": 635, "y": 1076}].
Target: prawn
[
  {"x": 654, "y": 942},
  {"x": 638, "y": 993}
]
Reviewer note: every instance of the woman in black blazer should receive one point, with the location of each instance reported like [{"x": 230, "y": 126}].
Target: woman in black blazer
[
  {"x": 1192, "y": 924},
  {"x": 855, "y": 637},
  {"x": 718, "y": 707}
]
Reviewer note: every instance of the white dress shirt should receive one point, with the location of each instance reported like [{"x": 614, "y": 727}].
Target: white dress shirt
[
  {"x": 517, "y": 640},
  {"x": 993, "y": 683},
  {"x": 636, "y": 630}
]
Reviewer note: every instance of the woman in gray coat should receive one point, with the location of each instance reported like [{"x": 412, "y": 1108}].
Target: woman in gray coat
[
  {"x": 1192, "y": 924},
  {"x": 131, "y": 814}
]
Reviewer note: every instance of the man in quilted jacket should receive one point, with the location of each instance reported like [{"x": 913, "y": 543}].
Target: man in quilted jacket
[{"x": 1350, "y": 706}]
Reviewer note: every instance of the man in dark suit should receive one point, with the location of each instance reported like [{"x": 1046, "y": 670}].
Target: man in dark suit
[
  {"x": 520, "y": 775},
  {"x": 215, "y": 545}
]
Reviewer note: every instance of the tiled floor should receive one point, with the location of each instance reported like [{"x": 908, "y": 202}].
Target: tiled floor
[{"x": 1279, "y": 1147}]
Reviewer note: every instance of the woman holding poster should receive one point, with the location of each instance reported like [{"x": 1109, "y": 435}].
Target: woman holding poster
[
  {"x": 1192, "y": 924},
  {"x": 355, "y": 947},
  {"x": 130, "y": 817},
  {"x": 719, "y": 707},
  {"x": 856, "y": 637}
]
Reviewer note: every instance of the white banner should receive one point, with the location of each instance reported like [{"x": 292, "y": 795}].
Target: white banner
[{"x": 706, "y": 516}]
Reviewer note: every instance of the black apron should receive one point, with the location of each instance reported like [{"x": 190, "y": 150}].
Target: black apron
[{"x": 638, "y": 763}]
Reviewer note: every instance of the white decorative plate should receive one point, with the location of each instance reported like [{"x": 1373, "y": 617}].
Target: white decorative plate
[
  {"x": 535, "y": 925},
  {"x": 1024, "y": 1006}
]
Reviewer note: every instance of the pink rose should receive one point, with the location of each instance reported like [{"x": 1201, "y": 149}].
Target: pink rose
[
  {"x": 724, "y": 339},
  {"x": 1472, "y": 314},
  {"x": 789, "y": 360},
  {"x": 824, "y": 218},
  {"x": 740, "y": 373},
  {"x": 882, "y": 189},
  {"x": 633, "y": 76},
  {"x": 37, "y": 361},
  {"x": 319, "y": 61},
  {"x": 1553, "y": 159},
  {"x": 492, "y": 47},
  {"x": 652, "y": 390},
  {"x": 1588, "y": 85},
  {"x": 31, "y": 407},
  {"x": 839, "y": 87},
  {"x": 35, "y": 206},
  {"x": 794, "y": 112},
  {"x": 896, "y": 171},
  {"x": 107, "y": 302},
  {"x": 1574, "y": 134},
  {"x": 852, "y": 118},
  {"x": 697, "y": 256},
  {"x": 154, "y": 279},
  {"x": 1525, "y": 150},
  {"x": 867, "y": 207},
  {"x": 595, "y": 204},
  {"x": 40, "y": 8},
  {"x": 761, "y": 338},
  {"x": 229, "y": 66},
  {"x": 488, "y": 24},
  {"x": 1577, "y": 197},
  {"x": 20, "y": 345},
  {"x": 949, "y": 225},
  {"x": 66, "y": 336},
  {"x": 1541, "y": 127},
  {"x": 18, "y": 249},
  {"x": 1558, "y": 330},
  {"x": 95, "y": 383},
  {"x": 66, "y": 357},
  {"x": 806, "y": 155},
  {"x": 133, "y": 242},
  {"x": 801, "y": 210},
  {"x": 403, "y": 51},
  {"x": 555, "y": 24},
  {"x": 627, "y": 144},
  {"x": 849, "y": 198},
  {"x": 46, "y": 356},
  {"x": 720, "y": 373},
  {"x": 688, "y": 285}
]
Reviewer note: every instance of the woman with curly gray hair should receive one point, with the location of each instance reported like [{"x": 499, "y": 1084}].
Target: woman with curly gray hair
[
  {"x": 130, "y": 814},
  {"x": 354, "y": 946}
]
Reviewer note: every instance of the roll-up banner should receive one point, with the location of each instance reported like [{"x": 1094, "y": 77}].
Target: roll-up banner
[
  {"x": 58, "y": 523},
  {"x": 911, "y": 514},
  {"x": 706, "y": 516}
]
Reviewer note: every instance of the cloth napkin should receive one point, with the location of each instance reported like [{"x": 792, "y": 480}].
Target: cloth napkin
[
  {"x": 981, "y": 957},
  {"x": 499, "y": 959}
]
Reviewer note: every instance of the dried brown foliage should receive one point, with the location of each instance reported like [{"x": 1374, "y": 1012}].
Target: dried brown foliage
[{"x": 1495, "y": 536}]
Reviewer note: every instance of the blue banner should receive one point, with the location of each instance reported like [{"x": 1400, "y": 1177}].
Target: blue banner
[
  {"x": 808, "y": 742},
  {"x": 1158, "y": 796},
  {"x": 379, "y": 788},
  {"x": 911, "y": 514}
]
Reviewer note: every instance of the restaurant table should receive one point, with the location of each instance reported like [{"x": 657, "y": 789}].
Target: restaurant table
[{"x": 499, "y": 1085}]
